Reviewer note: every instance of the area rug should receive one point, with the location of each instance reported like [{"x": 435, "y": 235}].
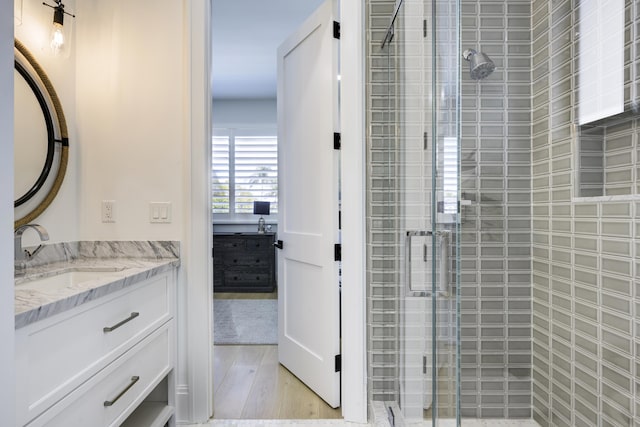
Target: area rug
[{"x": 245, "y": 321}]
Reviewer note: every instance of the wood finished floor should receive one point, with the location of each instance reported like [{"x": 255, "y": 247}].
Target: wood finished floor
[{"x": 249, "y": 383}]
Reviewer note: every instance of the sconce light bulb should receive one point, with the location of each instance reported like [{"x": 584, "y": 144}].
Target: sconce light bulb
[
  {"x": 57, "y": 30},
  {"x": 57, "y": 37}
]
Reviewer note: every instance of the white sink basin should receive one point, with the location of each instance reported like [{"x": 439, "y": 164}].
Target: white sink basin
[{"x": 68, "y": 279}]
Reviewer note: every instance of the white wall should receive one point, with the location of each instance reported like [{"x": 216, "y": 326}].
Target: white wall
[
  {"x": 143, "y": 109},
  {"x": 249, "y": 113},
  {"x": 131, "y": 116},
  {"x": 7, "y": 360},
  {"x": 60, "y": 218}
]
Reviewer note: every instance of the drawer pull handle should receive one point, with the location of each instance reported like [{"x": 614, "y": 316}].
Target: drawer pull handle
[
  {"x": 117, "y": 325},
  {"x": 134, "y": 380}
]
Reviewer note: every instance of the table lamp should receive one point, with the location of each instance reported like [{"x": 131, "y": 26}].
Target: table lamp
[{"x": 261, "y": 208}]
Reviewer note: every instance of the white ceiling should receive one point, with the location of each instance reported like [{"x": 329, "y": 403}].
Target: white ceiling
[{"x": 246, "y": 36}]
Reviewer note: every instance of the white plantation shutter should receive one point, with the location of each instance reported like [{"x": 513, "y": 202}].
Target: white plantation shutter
[
  {"x": 220, "y": 182},
  {"x": 244, "y": 169},
  {"x": 256, "y": 172}
]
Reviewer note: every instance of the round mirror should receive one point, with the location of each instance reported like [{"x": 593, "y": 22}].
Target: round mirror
[{"x": 41, "y": 145}]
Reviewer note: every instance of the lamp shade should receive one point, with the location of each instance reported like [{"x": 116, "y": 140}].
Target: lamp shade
[{"x": 261, "y": 208}]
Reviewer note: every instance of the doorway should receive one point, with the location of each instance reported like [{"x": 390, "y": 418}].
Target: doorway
[{"x": 248, "y": 380}]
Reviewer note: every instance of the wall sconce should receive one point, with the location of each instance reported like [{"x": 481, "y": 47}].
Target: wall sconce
[
  {"x": 261, "y": 208},
  {"x": 59, "y": 40}
]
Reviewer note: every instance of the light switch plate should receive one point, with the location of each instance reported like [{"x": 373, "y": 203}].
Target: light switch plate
[{"x": 160, "y": 212}]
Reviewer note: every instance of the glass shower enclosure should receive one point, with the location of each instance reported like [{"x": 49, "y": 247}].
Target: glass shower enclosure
[{"x": 421, "y": 218}]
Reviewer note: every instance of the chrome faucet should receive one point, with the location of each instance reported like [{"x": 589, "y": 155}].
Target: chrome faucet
[{"x": 20, "y": 253}]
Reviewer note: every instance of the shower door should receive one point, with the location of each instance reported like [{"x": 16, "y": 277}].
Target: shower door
[{"x": 423, "y": 146}]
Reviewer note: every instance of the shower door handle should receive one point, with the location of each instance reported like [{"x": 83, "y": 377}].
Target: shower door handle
[
  {"x": 443, "y": 238},
  {"x": 407, "y": 261}
]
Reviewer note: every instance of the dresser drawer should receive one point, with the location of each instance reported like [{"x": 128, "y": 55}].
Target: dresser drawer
[
  {"x": 235, "y": 242},
  {"x": 232, "y": 278},
  {"x": 264, "y": 244},
  {"x": 109, "y": 397},
  {"x": 58, "y": 354},
  {"x": 246, "y": 260}
]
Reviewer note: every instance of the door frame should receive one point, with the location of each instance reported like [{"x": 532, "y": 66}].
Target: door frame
[
  {"x": 195, "y": 393},
  {"x": 353, "y": 188}
]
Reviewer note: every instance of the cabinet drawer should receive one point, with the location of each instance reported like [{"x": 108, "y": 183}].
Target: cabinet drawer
[
  {"x": 246, "y": 260},
  {"x": 262, "y": 245},
  {"x": 233, "y": 243},
  {"x": 232, "y": 278},
  {"x": 58, "y": 354},
  {"x": 110, "y": 396}
]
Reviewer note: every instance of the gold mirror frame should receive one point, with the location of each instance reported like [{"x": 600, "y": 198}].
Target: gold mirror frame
[{"x": 63, "y": 141}]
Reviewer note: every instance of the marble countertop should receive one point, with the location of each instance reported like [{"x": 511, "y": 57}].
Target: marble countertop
[{"x": 124, "y": 264}]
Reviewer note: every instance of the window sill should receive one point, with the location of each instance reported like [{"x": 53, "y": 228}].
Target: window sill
[{"x": 241, "y": 222}]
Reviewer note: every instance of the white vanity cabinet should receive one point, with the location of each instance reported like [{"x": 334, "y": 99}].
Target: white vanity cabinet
[{"x": 101, "y": 363}]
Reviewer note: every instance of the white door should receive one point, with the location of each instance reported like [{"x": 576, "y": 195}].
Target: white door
[{"x": 308, "y": 287}]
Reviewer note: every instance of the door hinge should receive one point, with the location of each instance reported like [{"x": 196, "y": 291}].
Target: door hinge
[
  {"x": 424, "y": 365},
  {"x": 213, "y": 253},
  {"x": 424, "y": 28},
  {"x": 279, "y": 244},
  {"x": 337, "y": 252},
  {"x": 337, "y": 140},
  {"x": 336, "y": 30},
  {"x": 425, "y": 141},
  {"x": 338, "y": 362}
]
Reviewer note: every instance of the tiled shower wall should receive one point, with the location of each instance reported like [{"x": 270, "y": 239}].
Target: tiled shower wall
[
  {"x": 496, "y": 227},
  {"x": 586, "y": 368},
  {"x": 382, "y": 246}
]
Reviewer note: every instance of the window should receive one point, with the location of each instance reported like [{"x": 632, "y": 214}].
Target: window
[{"x": 244, "y": 168}]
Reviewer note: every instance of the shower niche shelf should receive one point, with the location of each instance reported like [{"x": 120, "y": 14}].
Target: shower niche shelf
[{"x": 607, "y": 156}]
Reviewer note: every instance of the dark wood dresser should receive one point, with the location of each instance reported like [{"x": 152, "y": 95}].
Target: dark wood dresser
[{"x": 244, "y": 262}]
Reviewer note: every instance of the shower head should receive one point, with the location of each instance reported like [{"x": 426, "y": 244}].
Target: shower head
[{"x": 480, "y": 65}]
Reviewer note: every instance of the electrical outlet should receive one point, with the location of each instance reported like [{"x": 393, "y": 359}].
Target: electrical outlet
[{"x": 108, "y": 211}]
